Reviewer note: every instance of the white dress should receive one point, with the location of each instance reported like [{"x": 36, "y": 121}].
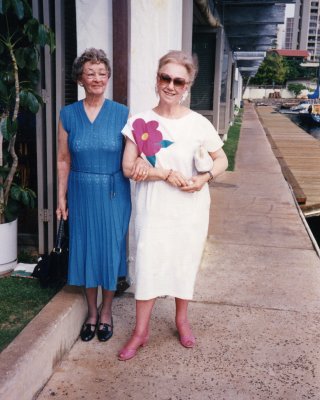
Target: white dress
[{"x": 170, "y": 225}]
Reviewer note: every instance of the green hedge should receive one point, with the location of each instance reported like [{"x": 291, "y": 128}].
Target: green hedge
[{"x": 231, "y": 144}]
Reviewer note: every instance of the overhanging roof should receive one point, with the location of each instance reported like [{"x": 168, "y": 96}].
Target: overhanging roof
[
  {"x": 250, "y": 25},
  {"x": 292, "y": 53}
]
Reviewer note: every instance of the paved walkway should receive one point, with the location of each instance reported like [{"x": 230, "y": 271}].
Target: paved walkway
[{"x": 256, "y": 309}]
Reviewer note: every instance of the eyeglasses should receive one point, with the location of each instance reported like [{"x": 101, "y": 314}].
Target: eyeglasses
[
  {"x": 165, "y": 79},
  {"x": 91, "y": 75}
]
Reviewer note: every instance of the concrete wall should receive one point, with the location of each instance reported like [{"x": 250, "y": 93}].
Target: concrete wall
[
  {"x": 237, "y": 88},
  {"x": 94, "y": 29},
  {"x": 156, "y": 28},
  {"x": 255, "y": 93}
]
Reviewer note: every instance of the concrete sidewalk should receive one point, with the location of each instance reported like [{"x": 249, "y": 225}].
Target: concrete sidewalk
[{"x": 256, "y": 309}]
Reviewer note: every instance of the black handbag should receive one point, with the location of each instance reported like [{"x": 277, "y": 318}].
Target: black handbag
[
  {"x": 122, "y": 286},
  {"x": 52, "y": 269}
]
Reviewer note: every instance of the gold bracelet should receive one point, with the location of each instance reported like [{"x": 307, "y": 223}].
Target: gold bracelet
[
  {"x": 211, "y": 176},
  {"x": 170, "y": 172}
]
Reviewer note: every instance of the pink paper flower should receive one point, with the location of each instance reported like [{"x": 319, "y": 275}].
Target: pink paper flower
[{"x": 147, "y": 137}]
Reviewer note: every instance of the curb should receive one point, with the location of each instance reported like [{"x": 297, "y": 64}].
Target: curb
[{"x": 28, "y": 362}]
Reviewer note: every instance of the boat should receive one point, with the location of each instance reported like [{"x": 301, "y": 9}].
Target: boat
[
  {"x": 311, "y": 116},
  {"x": 296, "y": 108},
  {"x": 301, "y": 107},
  {"x": 315, "y": 94}
]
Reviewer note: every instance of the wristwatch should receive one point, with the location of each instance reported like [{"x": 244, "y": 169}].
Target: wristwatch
[{"x": 211, "y": 176}]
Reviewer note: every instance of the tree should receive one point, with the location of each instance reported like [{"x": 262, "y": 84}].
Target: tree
[
  {"x": 273, "y": 70},
  {"x": 295, "y": 70},
  {"x": 21, "y": 35},
  {"x": 296, "y": 88}
]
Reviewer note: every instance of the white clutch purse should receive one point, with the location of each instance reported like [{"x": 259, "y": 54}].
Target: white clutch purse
[{"x": 202, "y": 159}]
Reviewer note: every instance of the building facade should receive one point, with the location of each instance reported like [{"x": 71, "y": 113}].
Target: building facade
[
  {"x": 289, "y": 33},
  {"x": 306, "y": 28},
  {"x": 228, "y": 36}
]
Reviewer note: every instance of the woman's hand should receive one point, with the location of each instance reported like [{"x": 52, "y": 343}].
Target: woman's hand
[
  {"x": 134, "y": 167},
  {"x": 62, "y": 211},
  {"x": 196, "y": 183},
  {"x": 140, "y": 170},
  {"x": 176, "y": 179},
  {"x": 63, "y": 164}
]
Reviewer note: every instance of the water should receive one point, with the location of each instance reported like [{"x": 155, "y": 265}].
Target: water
[
  {"x": 314, "y": 225},
  {"x": 313, "y": 130}
]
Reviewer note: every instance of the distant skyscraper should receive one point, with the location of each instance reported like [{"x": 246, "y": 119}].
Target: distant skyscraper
[
  {"x": 306, "y": 32},
  {"x": 289, "y": 33}
]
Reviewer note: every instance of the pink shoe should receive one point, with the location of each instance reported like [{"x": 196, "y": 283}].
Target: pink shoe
[
  {"x": 127, "y": 353},
  {"x": 188, "y": 341}
]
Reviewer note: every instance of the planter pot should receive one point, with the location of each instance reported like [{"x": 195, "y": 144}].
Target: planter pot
[{"x": 8, "y": 247}]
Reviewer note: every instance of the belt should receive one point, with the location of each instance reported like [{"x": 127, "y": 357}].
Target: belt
[{"x": 112, "y": 176}]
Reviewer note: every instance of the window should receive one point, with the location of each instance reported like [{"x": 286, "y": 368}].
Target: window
[{"x": 202, "y": 89}]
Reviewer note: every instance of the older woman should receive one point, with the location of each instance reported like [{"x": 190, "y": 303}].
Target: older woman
[
  {"x": 173, "y": 202},
  {"x": 93, "y": 191}
]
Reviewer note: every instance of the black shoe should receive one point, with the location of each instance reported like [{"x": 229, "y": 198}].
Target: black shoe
[
  {"x": 105, "y": 331},
  {"x": 87, "y": 333}
]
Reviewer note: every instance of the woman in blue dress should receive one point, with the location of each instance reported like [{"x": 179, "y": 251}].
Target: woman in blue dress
[{"x": 92, "y": 190}]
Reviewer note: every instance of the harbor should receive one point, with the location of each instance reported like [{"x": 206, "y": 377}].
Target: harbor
[{"x": 298, "y": 153}]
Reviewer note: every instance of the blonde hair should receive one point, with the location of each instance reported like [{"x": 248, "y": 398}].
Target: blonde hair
[{"x": 190, "y": 62}]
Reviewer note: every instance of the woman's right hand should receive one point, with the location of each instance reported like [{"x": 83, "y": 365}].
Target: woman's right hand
[
  {"x": 175, "y": 178},
  {"x": 140, "y": 170},
  {"x": 62, "y": 211}
]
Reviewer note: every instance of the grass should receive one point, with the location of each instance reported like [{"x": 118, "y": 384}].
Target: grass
[
  {"x": 21, "y": 299},
  {"x": 231, "y": 144}
]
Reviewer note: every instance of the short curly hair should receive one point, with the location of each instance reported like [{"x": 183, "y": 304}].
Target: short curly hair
[
  {"x": 190, "y": 62},
  {"x": 92, "y": 55}
]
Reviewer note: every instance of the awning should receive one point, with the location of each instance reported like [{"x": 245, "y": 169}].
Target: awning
[{"x": 250, "y": 26}]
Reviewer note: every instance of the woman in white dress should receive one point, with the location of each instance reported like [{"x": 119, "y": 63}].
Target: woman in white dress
[{"x": 172, "y": 202}]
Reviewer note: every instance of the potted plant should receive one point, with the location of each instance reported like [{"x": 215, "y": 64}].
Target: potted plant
[{"x": 21, "y": 36}]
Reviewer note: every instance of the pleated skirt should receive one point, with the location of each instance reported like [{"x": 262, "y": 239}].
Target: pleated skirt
[{"x": 99, "y": 213}]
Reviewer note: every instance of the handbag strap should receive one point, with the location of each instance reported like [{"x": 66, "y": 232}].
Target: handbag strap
[{"x": 60, "y": 234}]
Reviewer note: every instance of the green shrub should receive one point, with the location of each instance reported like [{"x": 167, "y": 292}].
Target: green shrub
[{"x": 296, "y": 88}]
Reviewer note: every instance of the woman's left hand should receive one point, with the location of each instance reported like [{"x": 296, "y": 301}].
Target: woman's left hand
[
  {"x": 139, "y": 170},
  {"x": 196, "y": 183}
]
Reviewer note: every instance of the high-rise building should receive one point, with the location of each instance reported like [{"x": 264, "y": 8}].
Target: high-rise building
[
  {"x": 306, "y": 29},
  {"x": 289, "y": 33}
]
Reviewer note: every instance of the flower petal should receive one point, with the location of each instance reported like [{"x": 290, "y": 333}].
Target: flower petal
[{"x": 150, "y": 148}]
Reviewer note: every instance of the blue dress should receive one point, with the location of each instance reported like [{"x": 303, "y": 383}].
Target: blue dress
[{"x": 98, "y": 195}]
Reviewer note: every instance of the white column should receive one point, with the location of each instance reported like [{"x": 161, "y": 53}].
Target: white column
[
  {"x": 155, "y": 28},
  {"x": 94, "y": 29}
]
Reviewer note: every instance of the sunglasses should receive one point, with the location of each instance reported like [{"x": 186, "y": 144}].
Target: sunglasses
[{"x": 165, "y": 79}]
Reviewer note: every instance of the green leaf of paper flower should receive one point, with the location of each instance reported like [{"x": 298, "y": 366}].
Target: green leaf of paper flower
[
  {"x": 165, "y": 143},
  {"x": 152, "y": 160}
]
